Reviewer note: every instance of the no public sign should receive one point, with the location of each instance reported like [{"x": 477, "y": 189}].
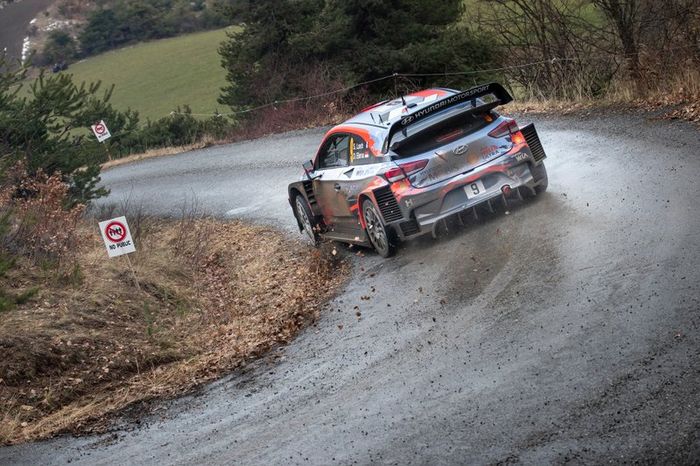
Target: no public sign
[
  {"x": 117, "y": 237},
  {"x": 100, "y": 131}
]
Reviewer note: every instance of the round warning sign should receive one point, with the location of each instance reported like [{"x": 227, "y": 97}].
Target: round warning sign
[
  {"x": 117, "y": 237},
  {"x": 101, "y": 131},
  {"x": 115, "y": 232}
]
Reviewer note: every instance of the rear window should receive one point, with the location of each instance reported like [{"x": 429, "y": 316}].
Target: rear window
[{"x": 438, "y": 134}]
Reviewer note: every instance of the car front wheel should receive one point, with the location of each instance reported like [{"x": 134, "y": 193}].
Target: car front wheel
[
  {"x": 381, "y": 237},
  {"x": 306, "y": 219}
]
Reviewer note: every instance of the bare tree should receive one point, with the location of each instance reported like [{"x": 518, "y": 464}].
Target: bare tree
[
  {"x": 625, "y": 15},
  {"x": 664, "y": 31},
  {"x": 580, "y": 45},
  {"x": 556, "y": 36}
]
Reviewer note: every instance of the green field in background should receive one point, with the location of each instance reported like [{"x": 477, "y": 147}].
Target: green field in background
[{"x": 155, "y": 77}]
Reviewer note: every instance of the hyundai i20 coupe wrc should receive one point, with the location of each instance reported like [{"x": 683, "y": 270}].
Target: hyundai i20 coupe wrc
[{"x": 401, "y": 168}]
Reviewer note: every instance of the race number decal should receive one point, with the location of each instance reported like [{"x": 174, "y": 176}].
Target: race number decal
[{"x": 474, "y": 189}]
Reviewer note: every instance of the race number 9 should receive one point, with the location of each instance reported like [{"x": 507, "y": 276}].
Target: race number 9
[{"x": 474, "y": 189}]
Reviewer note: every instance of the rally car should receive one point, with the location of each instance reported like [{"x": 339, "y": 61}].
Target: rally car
[{"x": 400, "y": 168}]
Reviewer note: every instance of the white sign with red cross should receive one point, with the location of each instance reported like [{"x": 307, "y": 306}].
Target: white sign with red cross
[
  {"x": 101, "y": 131},
  {"x": 117, "y": 237}
]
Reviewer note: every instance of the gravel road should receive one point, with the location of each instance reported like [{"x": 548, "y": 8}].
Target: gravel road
[{"x": 564, "y": 331}]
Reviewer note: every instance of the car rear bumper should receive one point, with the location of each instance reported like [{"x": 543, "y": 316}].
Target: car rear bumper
[{"x": 423, "y": 210}]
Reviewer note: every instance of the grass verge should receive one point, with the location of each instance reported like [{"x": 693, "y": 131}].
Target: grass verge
[
  {"x": 161, "y": 152},
  {"x": 678, "y": 98},
  {"x": 95, "y": 338}
]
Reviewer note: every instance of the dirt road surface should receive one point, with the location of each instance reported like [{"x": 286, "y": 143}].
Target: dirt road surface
[{"x": 564, "y": 331}]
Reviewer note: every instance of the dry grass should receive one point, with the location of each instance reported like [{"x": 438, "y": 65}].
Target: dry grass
[
  {"x": 677, "y": 97},
  {"x": 210, "y": 296},
  {"x": 162, "y": 152}
]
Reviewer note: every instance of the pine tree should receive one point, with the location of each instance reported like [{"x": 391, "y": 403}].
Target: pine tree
[
  {"x": 357, "y": 39},
  {"x": 47, "y": 128}
]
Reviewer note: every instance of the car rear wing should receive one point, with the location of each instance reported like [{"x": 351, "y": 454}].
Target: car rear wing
[{"x": 501, "y": 96}]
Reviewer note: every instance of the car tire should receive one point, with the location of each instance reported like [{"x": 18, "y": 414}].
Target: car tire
[
  {"x": 539, "y": 173},
  {"x": 306, "y": 219},
  {"x": 383, "y": 238}
]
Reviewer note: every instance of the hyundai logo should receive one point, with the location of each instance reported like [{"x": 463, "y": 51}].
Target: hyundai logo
[{"x": 459, "y": 150}]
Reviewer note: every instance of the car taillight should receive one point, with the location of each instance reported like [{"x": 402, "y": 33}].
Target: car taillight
[
  {"x": 508, "y": 128},
  {"x": 504, "y": 129},
  {"x": 517, "y": 138},
  {"x": 404, "y": 170}
]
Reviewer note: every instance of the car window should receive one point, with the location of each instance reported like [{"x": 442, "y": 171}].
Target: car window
[
  {"x": 335, "y": 153},
  {"x": 359, "y": 151}
]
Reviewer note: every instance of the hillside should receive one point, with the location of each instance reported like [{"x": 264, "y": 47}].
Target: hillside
[{"x": 157, "y": 77}]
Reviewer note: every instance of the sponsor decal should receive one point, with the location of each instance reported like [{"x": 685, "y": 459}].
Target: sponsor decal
[
  {"x": 409, "y": 203},
  {"x": 361, "y": 172},
  {"x": 459, "y": 150},
  {"x": 462, "y": 96},
  {"x": 488, "y": 151},
  {"x": 522, "y": 156}
]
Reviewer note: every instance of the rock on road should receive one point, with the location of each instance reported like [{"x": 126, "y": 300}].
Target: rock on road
[{"x": 565, "y": 331}]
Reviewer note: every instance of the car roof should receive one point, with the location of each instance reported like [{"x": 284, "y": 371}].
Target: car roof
[
  {"x": 373, "y": 123},
  {"x": 378, "y": 118}
]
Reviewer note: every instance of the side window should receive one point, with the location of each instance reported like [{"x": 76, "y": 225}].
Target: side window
[
  {"x": 335, "y": 153},
  {"x": 359, "y": 151}
]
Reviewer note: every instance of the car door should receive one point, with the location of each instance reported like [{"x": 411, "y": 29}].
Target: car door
[{"x": 332, "y": 166}]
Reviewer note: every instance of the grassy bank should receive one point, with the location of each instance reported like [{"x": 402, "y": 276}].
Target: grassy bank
[
  {"x": 93, "y": 338},
  {"x": 157, "y": 77},
  {"x": 677, "y": 99}
]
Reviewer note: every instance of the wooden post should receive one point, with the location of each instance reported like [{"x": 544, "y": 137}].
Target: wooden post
[{"x": 133, "y": 271}]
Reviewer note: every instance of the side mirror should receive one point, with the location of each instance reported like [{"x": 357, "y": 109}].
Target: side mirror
[{"x": 308, "y": 168}]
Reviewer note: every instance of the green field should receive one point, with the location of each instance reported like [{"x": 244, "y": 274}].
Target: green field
[{"x": 155, "y": 77}]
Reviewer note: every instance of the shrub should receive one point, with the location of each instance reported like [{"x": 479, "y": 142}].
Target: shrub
[
  {"x": 180, "y": 128},
  {"x": 60, "y": 47},
  {"x": 39, "y": 220}
]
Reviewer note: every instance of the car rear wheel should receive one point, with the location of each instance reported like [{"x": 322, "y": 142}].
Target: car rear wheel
[
  {"x": 539, "y": 173},
  {"x": 306, "y": 219},
  {"x": 382, "y": 238}
]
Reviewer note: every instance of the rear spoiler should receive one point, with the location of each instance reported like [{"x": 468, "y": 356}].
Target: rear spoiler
[{"x": 502, "y": 98}]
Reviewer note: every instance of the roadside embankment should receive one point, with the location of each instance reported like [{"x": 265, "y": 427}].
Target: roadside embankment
[{"x": 89, "y": 336}]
